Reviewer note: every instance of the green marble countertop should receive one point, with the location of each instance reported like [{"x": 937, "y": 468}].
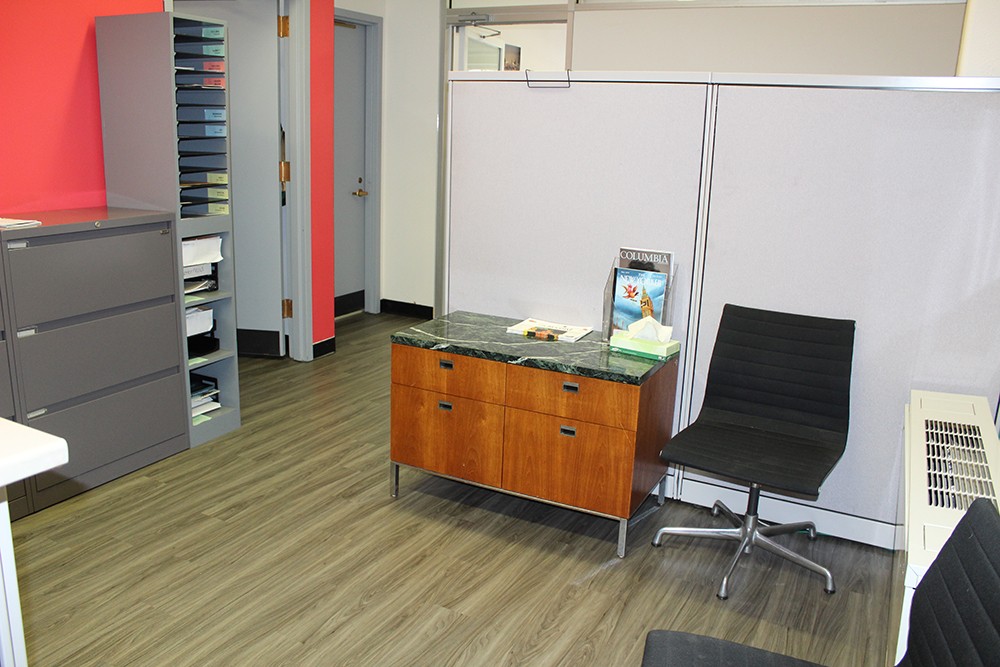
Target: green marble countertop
[{"x": 486, "y": 337}]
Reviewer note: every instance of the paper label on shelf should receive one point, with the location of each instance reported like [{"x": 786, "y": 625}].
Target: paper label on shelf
[
  {"x": 217, "y": 178},
  {"x": 214, "y": 82},
  {"x": 214, "y": 65},
  {"x": 214, "y": 32},
  {"x": 218, "y": 209},
  {"x": 215, "y": 114}
]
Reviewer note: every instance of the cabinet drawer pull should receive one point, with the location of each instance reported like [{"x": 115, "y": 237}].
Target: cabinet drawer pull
[
  {"x": 444, "y": 405},
  {"x": 571, "y": 387},
  {"x": 568, "y": 431},
  {"x": 446, "y": 364}
]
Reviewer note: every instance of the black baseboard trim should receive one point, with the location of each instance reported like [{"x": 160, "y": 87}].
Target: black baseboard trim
[
  {"x": 349, "y": 303},
  {"x": 328, "y": 346},
  {"x": 409, "y": 309},
  {"x": 257, "y": 343}
]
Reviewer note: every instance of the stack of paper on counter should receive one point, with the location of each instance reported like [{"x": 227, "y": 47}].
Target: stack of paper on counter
[{"x": 532, "y": 328}]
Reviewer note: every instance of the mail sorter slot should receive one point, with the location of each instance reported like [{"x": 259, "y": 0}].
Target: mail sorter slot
[
  {"x": 53, "y": 281},
  {"x": 198, "y": 146},
  {"x": 75, "y": 360},
  {"x": 200, "y": 162},
  {"x": 201, "y": 97},
  {"x": 6, "y": 388},
  {"x": 111, "y": 427},
  {"x": 201, "y": 114}
]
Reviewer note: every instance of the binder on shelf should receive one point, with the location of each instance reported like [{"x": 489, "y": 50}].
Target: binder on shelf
[
  {"x": 202, "y": 162},
  {"x": 202, "y": 97},
  {"x": 205, "y": 178},
  {"x": 201, "y": 130},
  {"x": 199, "y": 195},
  {"x": 200, "y": 64},
  {"x": 188, "y": 146},
  {"x": 186, "y": 80},
  {"x": 201, "y": 250},
  {"x": 200, "y": 114},
  {"x": 200, "y": 48},
  {"x": 197, "y": 210},
  {"x": 205, "y": 31}
]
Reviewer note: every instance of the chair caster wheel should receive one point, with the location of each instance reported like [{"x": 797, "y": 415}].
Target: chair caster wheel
[
  {"x": 722, "y": 597},
  {"x": 828, "y": 591}
]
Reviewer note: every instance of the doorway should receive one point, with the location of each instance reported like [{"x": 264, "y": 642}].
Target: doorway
[{"x": 357, "y": 67}]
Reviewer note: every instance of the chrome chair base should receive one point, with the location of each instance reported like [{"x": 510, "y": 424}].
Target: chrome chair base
[{"x": 750, "y": 532}]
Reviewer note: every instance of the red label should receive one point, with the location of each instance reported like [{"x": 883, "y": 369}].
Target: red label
[
  {"x": 214, "y": 66},
  {"x": 215, "y": 83}
]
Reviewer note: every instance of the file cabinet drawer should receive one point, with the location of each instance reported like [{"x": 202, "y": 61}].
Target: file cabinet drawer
[
  {"x": 574, "y": 463},
  {"x": 452, "y": 374},
  {"x": 573, "y": 396},
  {"x": 110, "y": 428},
  {"x": 75, "y": 360},
  {"x": 73, "y": 274},
  {"x": 453, "y": 436}
]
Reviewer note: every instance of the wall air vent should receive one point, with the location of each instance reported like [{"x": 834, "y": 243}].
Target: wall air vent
[
  {"x": 958, "y": 471},
  {"x": 951, "y": 457}
]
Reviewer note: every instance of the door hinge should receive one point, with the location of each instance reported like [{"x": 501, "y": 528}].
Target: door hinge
[
  {"x": 286, "y": 309},
  {"x": 284, "y": 171},
  {"x": 283, "y": 28}
]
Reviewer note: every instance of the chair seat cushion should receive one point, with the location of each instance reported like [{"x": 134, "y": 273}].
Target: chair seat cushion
[
  {"x": 756, "y": 450},
  {"x": 675, "y": 649}
]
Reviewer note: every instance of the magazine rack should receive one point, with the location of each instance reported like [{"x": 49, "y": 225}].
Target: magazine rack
[{"x": 621, "y": 262}]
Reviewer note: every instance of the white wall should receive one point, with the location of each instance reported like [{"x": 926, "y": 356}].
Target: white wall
[
  {"x": 980, "y": 51},
  {"x": 411, "y": 92},
  {"x": 897, "y": 40}
]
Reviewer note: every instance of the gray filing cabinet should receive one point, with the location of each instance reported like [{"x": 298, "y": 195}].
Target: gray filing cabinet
[
  {"x": 17, "y": 497},
  {"x": 94, "y": 304}
]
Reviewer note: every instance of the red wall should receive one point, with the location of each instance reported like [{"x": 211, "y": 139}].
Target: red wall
[
  {"x": 51, "y": 154},
  {"x": 321, "y": 55}
]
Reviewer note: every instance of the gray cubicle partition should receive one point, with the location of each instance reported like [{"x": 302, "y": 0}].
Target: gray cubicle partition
[{"x": 861, "y": 198}]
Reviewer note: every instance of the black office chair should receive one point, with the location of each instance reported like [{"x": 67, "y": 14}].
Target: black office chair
[
  {"x": 954, "y": 617},
  {"x": 775, "y": 415}
]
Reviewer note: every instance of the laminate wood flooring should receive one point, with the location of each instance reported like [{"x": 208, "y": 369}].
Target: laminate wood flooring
[{"x": 280, "y": 545}]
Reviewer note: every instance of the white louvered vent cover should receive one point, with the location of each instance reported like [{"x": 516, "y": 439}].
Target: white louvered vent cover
[
  {"x": 952, "y": 458},
  {"x": 958, "y": 471}
]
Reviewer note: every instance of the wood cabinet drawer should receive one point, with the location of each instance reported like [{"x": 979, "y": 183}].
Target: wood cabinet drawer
[
  {"x": 573, "y": 396},
  {"x": 90, "y": 356},
  {"x": 570, "y": 462},
  {"x": 67, "y": 275},
  {"x": 450, "y": 435},
  {"x": 105, "y": 430},
  {"x": 452, "y": 374}
]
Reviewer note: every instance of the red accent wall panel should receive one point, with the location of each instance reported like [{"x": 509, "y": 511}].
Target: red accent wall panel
[
  {"x": 51, "y": 154},
  {"x": 321, "y": 56}
]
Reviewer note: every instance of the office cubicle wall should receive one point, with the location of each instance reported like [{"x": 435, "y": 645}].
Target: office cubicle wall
[
  {"x": 879, "y": 205},
  {"x": 547, "y": 183}
]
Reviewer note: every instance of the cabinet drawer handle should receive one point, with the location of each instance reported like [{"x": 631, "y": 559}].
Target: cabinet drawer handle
[
  {"x": 446, "y": 364},
  {"x": 444, "y": 405},
  {"x": 568, "y": 431},
  {"x": 571, "y": 387}
]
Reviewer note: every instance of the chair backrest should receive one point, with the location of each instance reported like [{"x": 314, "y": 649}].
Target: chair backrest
[
  {"x": 783, "y": 367},
  {"x": 955, "y": 615}
]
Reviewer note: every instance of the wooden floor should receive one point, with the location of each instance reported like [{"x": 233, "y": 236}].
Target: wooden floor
[{"x": 279, "y": 545}]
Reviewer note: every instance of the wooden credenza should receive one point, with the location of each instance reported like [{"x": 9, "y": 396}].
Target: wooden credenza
[{"x": 572, "y": 424}]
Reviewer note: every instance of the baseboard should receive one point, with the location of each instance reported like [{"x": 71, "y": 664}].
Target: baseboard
[
  {"x": 409, "y": 309},
  {"x": 783, "y": 510},
  {"x": 349, "y": 303},
  {"x": 328, "y": 346}
]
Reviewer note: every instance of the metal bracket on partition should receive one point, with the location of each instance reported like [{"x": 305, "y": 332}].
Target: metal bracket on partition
[{"x": 548, "y": 83}]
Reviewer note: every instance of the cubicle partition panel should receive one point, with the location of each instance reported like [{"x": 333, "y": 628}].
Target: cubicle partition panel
[
  {"x": 548, "y": 181},
  {"x": 859, "y": 198}
]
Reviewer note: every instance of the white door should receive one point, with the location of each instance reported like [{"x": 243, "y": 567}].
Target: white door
[
  {"x": 351, "y": 197},
  {"x": 255, "y": 150}
]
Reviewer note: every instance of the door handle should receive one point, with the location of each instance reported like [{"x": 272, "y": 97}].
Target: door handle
[{"x": 360, "y": 193}]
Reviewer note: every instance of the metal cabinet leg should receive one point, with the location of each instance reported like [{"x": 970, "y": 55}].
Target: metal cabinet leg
[
  {"x": 622, "y": 533},
  {"x": 393, "y": 479}
]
